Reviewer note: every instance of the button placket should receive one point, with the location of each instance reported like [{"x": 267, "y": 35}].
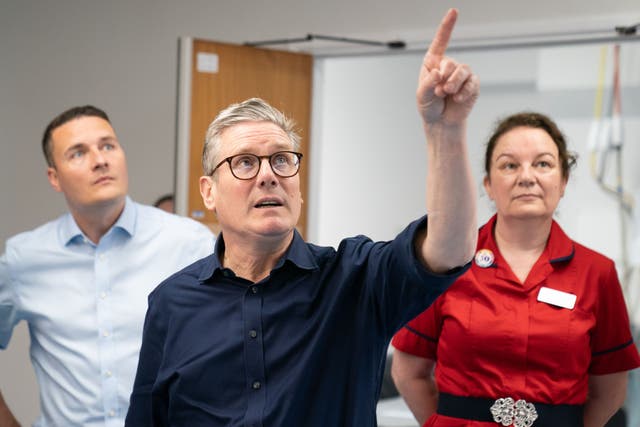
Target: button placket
[
  {"x": 106, "y": 344},
  {"x": 254, "y": 351}
]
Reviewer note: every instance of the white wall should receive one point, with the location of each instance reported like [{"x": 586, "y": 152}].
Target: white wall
[
  {"x": 122, "y": 56},
  {"x": 369, "y": 165}
]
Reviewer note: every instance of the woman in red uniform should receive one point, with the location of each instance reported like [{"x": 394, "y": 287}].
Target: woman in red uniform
[{"x": 536, "y": 333}]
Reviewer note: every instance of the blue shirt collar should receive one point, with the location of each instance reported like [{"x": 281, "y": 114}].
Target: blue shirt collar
[
  {"x": 70, "y": 232},
  {"x": 298, "y": 254}
]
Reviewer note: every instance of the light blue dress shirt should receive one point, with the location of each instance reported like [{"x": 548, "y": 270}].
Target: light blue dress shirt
[{"x": 85, "y": 305}]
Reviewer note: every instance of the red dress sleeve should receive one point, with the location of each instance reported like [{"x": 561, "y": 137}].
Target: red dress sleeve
[
  {"x": 612, "y": 346},
  {"x": 420, "y": 336}
]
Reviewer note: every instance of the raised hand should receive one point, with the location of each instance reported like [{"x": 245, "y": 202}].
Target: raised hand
[{"x": 446, "y": 90}]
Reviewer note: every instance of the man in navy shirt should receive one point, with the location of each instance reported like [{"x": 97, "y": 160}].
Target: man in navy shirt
[{"x": 273, "y": 331}]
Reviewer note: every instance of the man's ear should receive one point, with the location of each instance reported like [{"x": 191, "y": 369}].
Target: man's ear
[
  {"x": 207, "y": 191},
  {"x": 52, "y": 176}
]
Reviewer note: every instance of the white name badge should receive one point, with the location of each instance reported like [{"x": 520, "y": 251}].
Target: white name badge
[{"x": 557, "y": 298}]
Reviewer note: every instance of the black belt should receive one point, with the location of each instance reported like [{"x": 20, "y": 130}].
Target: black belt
[{"x": 479, "y": 409}]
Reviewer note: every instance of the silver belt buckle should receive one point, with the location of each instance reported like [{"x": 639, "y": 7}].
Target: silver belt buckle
[{"x": 507, "y": 412}]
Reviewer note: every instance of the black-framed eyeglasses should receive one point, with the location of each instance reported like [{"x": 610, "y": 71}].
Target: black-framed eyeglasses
[{"x": 246, "y": 166}]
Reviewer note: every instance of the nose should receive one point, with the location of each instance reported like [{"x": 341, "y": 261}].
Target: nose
[
  {"x": 266, "y": 176},
  {"x": 98, "y": 159},
  {"x": 526, "y": 178}
]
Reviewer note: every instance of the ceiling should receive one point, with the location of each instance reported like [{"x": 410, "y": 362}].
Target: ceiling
[{"x": 414, "y": 21}]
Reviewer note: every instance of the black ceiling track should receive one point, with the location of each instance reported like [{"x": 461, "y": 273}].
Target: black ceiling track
[{"x": 395, "y": 44}]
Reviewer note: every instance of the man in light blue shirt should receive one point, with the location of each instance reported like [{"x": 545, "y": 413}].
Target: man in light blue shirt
[{"x": 81, "y": 281}]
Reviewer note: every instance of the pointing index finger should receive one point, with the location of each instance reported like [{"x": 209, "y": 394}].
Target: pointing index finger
[{"x": 440, "y": 41}]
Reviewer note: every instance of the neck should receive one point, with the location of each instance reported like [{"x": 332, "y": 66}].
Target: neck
[
  {"x": 522, "y": 235},
  {"x": 253, "y": 259},
  {"x": 95, "y": 221},
  {"x": 521, "y": 242}
]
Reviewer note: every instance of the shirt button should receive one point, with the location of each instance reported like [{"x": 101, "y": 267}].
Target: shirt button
[
  {"x": 108, "y": 374},
  {"x": 105, "y": 334},
  {"x": 103, "y": 295},
  {"x": 256, "y": 385},
  {"x": 254, "y": 289},
  {"x": 112, "y": 413},
  {"x": 253, "y": 333}
]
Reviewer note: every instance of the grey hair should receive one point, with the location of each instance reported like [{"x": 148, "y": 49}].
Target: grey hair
[{"x": 251, "y": 110}]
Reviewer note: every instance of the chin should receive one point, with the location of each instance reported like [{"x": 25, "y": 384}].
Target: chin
[
  {"x": 108, "y": 200},
  {"x": 531, "y": 214},
  {"x": 274, "y": 229}
]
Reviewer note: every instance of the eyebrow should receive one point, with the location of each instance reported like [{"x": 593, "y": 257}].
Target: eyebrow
[
  {"x": 546, "y": 153},
  {"x": 75, "y": 147},
  {"x": 79, "y": 145},
  {"x": 277, "y": 148}
]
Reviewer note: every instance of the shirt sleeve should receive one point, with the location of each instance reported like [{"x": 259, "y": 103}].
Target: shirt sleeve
[
  {"x": 8, "y": 310},
  {"x": 399, "y": 285},
  {"x": 612, "y": 346},
  {"x": 419, "y": 337},
  {"x": 143, "y": 404}
]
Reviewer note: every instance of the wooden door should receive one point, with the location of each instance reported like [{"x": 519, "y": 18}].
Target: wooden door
[{"x": 222, "y": 74}]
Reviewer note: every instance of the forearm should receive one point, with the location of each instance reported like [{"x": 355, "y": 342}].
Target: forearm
[
  {"x": 606, "y": 396},
  {"x": 413, "y": 377},
  {"x": 6, "y": 416},
  {"x": 446, "y": 93},
  {"x": 421, "y": 398},
  {"x": 451, "y": 199},
  {"x": 598, "y": 411}
]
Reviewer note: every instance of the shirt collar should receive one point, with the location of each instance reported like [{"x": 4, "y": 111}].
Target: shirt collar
[
  {"x": 560, "y": 247},
  {"x": 70, "y": 232},
  {"x": 298, "y": 254}
]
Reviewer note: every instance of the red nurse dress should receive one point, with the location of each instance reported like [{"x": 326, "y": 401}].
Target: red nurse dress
[{"x": 492, "y": 337}]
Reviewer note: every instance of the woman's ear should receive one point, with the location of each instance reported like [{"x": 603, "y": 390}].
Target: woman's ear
[
  {"x": 487, "y": 186},
  {"x": 565, "y": 181}
]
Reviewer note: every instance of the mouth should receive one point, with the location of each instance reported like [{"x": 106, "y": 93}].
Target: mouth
[
  {"x": 527, "y": 196},
  {"x": 103, "y": 179},
  {"x": 267, "y": 203}
]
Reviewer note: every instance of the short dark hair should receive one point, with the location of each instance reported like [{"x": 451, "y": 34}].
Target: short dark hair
[
  {"x": 162, "y": 199},
  {"x": 61, "y": 119},
  {"x": 532, "y": 119}
]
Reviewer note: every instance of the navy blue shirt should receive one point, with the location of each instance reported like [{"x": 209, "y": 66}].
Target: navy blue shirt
[{"x": 305, "y": 346}]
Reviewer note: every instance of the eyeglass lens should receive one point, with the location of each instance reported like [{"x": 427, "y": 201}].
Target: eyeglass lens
[{"x": 283, "y": 163}]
